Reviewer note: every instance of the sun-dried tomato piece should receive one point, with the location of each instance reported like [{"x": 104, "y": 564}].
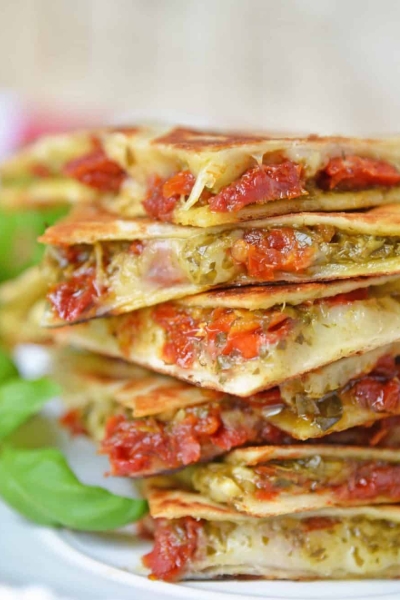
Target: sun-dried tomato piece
[
  {"x": 163, "y": 195},
  {"x": 96, "y": 170},
  {"x": 72, "y": 298},
  {"x": 259, "y": 185},
  {"x": 175, "y": 543},
  {"x": 72, "y": 420},
  {"x": 181, "y": 333},
  {"x": 265, "y": 253},
  {"x": 356, "y": 172}
]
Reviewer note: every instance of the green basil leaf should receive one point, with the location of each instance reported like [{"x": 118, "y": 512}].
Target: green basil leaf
[
  {"x": 7, "y": 367},
  {"x": 18, "y": 497},
  {"x": 21, "y": 399},
  {"x": 40, "y": 484}
]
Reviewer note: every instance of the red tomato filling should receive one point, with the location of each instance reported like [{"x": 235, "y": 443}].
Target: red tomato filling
[
  {"x": 225, "y": 332},
  {"x": 163, "y": 195},
  {"x": 74, "y": 297},
  {"x": 269, "y": 182},
  {"x": 259, "y": 185},
  {"x": 136, "y": 247},
  {"x": 371, "y": 481},
  {"x": 96, "y": 170},
  {"x": 376, "y": 395},
  {"x": 72, "y": 420},
  {"x": 347, "y": 298},
  {"x": 148, "y": 445},
  {"x": 175, "y": 544},
  {"x": 265, "y": 253},
  {"x": 229, "y": 332},
  {"x": 356, "y": 173},
  {"x": 181, "y": 330},
  {"x": 365, "y": 481}
]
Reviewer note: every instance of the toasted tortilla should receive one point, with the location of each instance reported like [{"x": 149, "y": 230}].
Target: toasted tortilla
[
  {"x": 268, "y": 481},
  {"x": 314, "y": 334},
  {"x": 101, "y": 387},
  {"x": 215, "y": 160},
  {"x": 334, "y": 543},
  {"x": 138, "y": 262},
  {"x": 22, "y": 303},
  {"x": 171, "y": 497}
]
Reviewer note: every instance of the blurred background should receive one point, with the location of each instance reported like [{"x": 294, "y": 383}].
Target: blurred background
[
  {"x": 321, "y": 66},
  {"x": 309, "y": 65}
]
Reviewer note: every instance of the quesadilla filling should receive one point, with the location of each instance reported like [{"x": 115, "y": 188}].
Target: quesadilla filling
[
  {"x": 360, "y": 400},
  {"x": 93, "y": 280},
  {"x": 227, "y": 336},
  {"x": 346, "y": 481},
  {"x": 165, "y": 172},
  {"x": 152, "y": 445},
  {"x": 275, "y": 179},
  {"x": 191, "y": 434},
  {"x": 315, "y": 547}
]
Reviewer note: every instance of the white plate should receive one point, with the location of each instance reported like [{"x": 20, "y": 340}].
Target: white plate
[{"x": 107, "y": 566}]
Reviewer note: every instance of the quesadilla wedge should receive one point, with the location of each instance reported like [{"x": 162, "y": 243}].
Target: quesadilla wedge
[
  {"x": 266, "y": 481},
  {"x": 195, "y": 538},
  {"x": 149, "y": 424},
  {"x": 100, "y": 265},
  {"x": 203, "y": 178},
  {"x": 245, "y": 340},
  {"x": 22, "y": 302}
]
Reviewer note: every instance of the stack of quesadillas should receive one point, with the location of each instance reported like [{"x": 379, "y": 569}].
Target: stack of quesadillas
[{"x": 211, "y": 292}]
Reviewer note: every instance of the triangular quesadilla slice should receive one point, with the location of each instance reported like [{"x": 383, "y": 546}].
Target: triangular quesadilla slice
[
  {"x": 195, "y": 538},
  {"x": 97, "y": 264},
  {"x": 204, "y": 178},
  {"x": 22, "y": 303},
  {"x": 148, "y": 423},
  {"x": 266, "y": 481},
  {"x": 244, "y": 340}
]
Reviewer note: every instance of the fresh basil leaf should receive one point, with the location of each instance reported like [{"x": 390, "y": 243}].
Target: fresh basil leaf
[
  {"x": 40, "y": 484},
  {"x": 18, "y": 497},
  {"x": 7, "y": 367},
  {"x": 21, "y": 399}
]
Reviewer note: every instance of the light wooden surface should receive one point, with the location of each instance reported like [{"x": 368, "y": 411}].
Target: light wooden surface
[{"x": 308, "y": 65}]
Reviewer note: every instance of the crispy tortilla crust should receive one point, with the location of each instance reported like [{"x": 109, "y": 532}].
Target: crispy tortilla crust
[
  {"x": 216, "y": 159},
  {"x": 261, "y": 454},
  {"x": 338, "y": 331},
  {"x": 175, "y": 262},
  {"x": 267, "y": 296},
  {"x": 260, "y": 297},
  {"x": 87, "y": 379},
  {"x": 169, "y": 499},
  {"x": 230, "y": 486},
  {"x": 92, "y": 224},
  {"x": 199, "y": 539}
]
